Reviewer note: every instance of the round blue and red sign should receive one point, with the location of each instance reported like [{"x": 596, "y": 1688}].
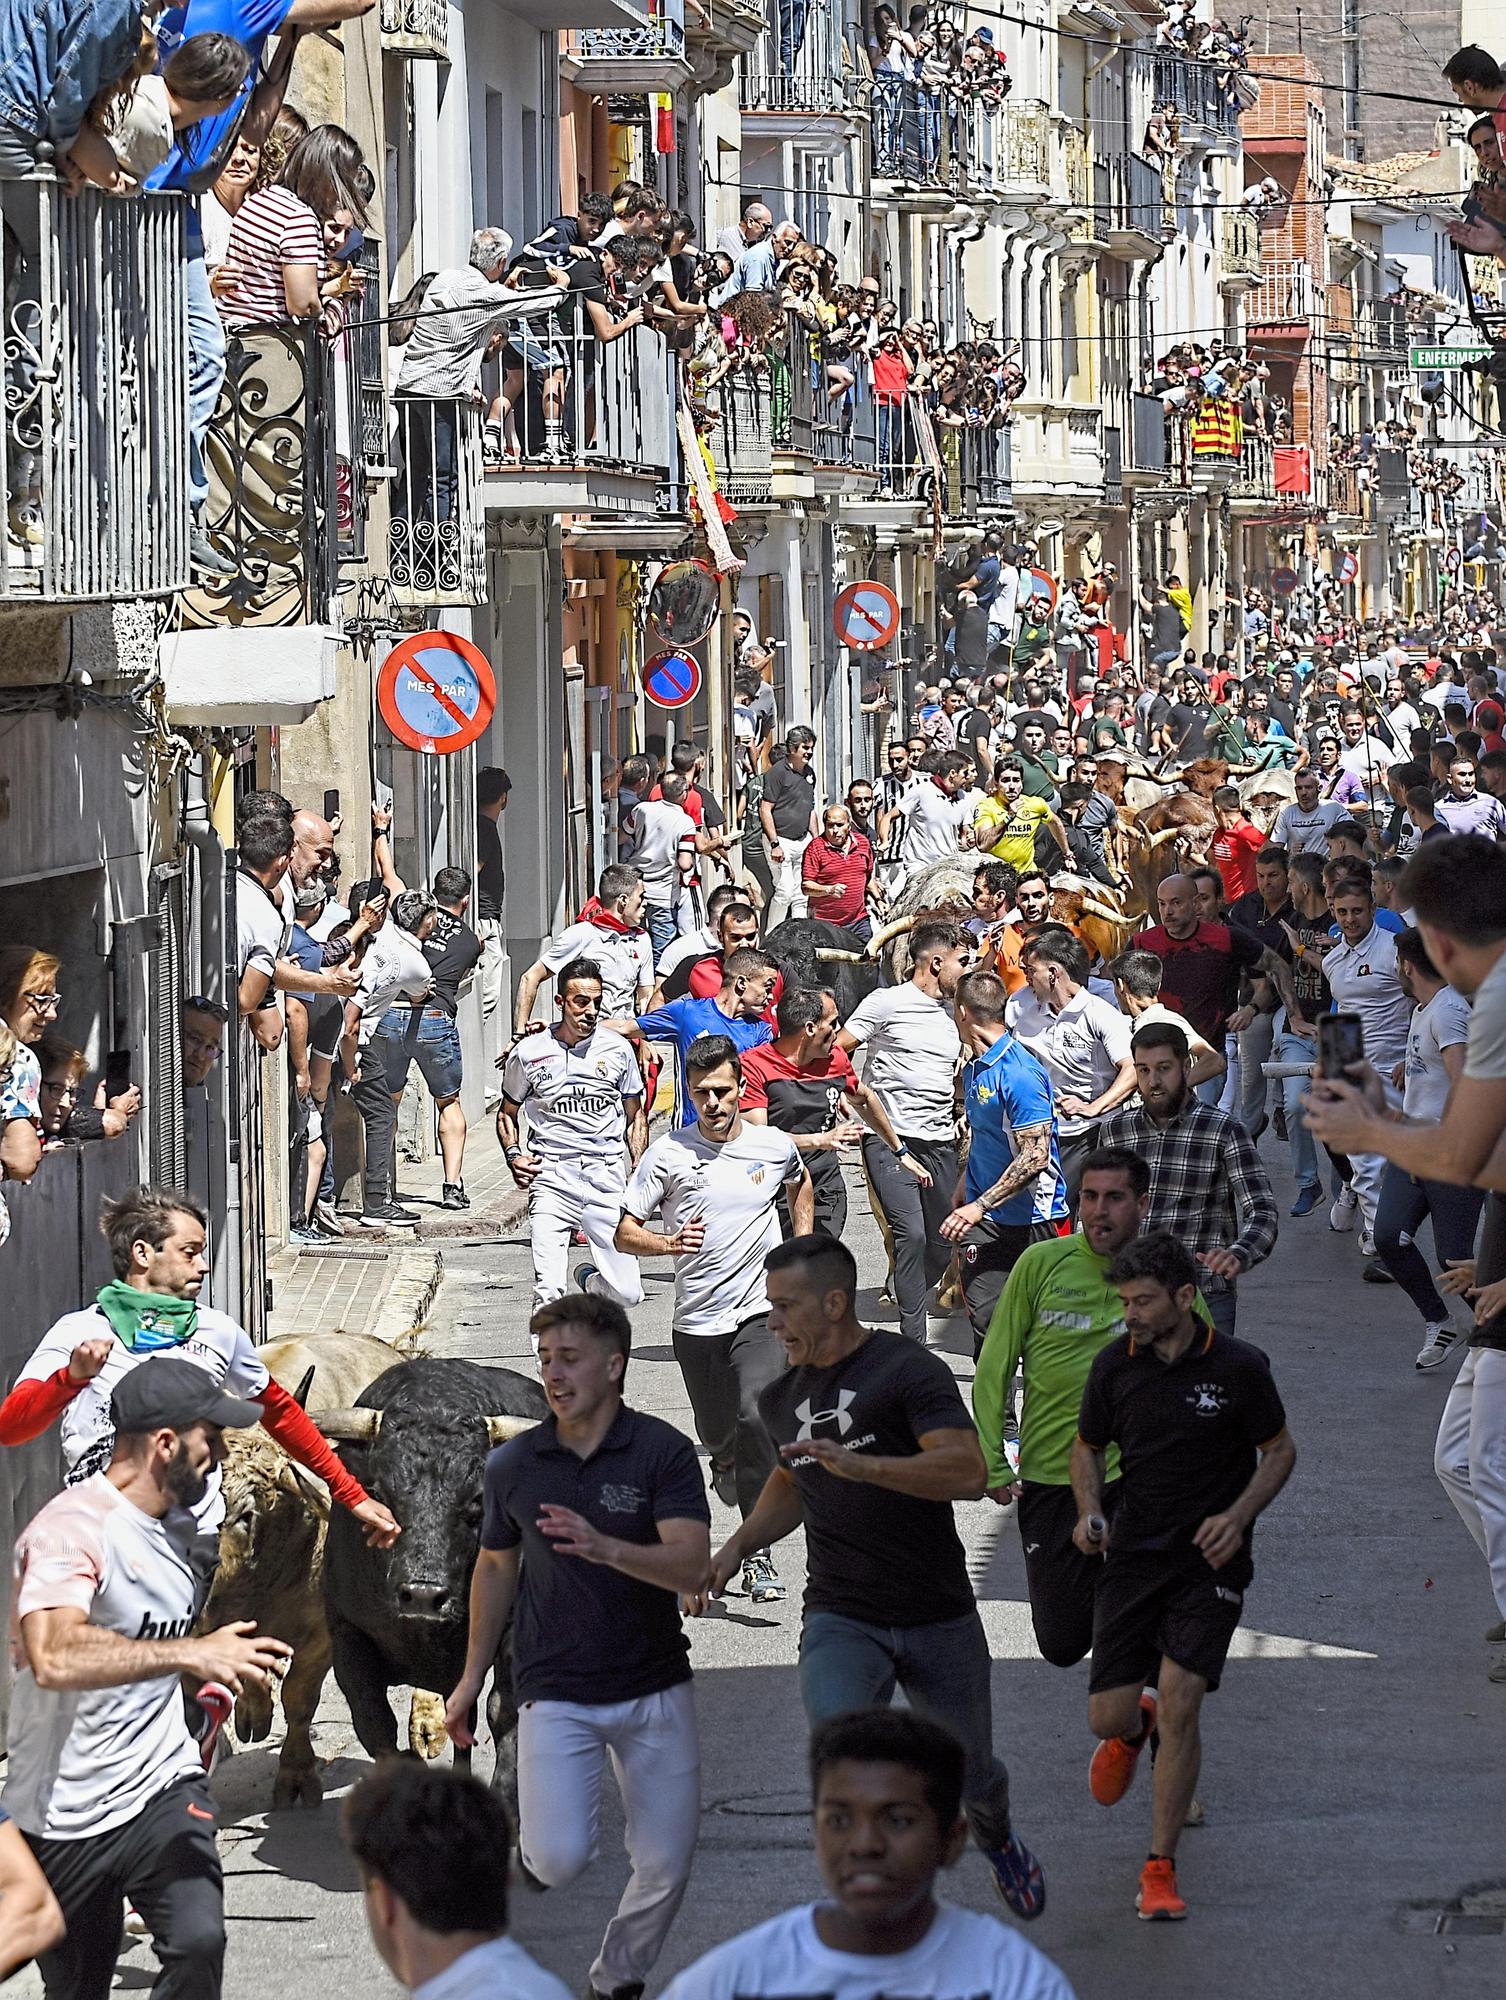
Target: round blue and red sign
[
  {"x": 671, "y": 680},
  {"x": 436, "y": 692}
]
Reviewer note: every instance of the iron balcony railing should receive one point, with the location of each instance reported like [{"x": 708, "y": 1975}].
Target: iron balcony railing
[
  {"x": 800, "y": 63},
  {"x": 1284, "y": 296},
  {"x": 1130, "y": 195},
  {"x": 661, "y": 35},
  {"x": 436, "y": 550},
  {"x": 1148, "y": 426},
  {"x": 1344, "y": 494},
  {"x": 272, "y": 507},
  {"x": 1194, "y": 88},
  {"x": 1074, "y": 184},
  {"x": 1113, "y": 464},
  {"x": 976, "y": 470},
  {"x": 360, "y": 404},
  {"x": 1241, "y": 245},
  {"x": 1382, "y": 325},
  {"x": 419, "y": 29},
  {"x": 1256, "y": 476},
  {"x": 583, "y": 401},
  {"x": 94, "y": 438}
]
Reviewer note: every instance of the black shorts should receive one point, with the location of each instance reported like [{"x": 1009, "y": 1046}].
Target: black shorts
[
  {"x": 1152, "y": 1607},
  {"x": 1061, "y": 1580}
]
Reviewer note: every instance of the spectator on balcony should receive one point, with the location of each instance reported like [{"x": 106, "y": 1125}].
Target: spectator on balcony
[
  {"x": 276, "y": 253},
  {"x": 65, "y": 1116},
  {"x": 130, "y": 127},
  {"x": 757, "y": 221},
  {"x": 29, "y": 1001},
  {"x": 757, "y": 269},
  {"x": 890, "y": 379},
  {"x": 202, "y": 1038},
  {"x": 55, "y": 60}
]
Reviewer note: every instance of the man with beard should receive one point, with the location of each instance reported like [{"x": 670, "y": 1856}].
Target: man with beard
[{"x": 104, "y": 1777}]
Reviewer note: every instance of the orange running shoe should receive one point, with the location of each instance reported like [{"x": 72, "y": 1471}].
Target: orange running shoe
[
  {"x": 1112, "y": 1770},
  {"x": 1158, "y": 1901}
]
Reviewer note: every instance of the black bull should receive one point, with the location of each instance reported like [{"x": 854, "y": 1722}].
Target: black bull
[
  {"x": 399, "y": 1617},
  {"x": 847, "y": 974}
]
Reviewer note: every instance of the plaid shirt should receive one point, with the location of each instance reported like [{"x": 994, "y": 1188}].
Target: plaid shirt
[{"x": 1206, "y": 1179}]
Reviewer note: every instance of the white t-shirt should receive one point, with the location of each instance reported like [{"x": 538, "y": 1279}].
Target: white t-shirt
[
  {"x": 573, "y": 1097},
  {"x": 734, "y": 1187},
  {"x": 489, "y": 1971},
  {"x": 965, "y": 1955},
  {"x": 933, "y": 823},
  {"x": 660, "y": 831},
  {"x": 911, "y": 1052},
  {"x": 694, "y": 944},
  {"x": 261, "y": 929},
  {"x": 1442, "y": 1024},
  {"x": 1198, "y": 1044},
  {"x": 1082, "y": 1047},
  {"x": 84, "y": 1761},
  {"x": 1368, "y": 760},
  {"x": 1302, "y": 832},
  {"x": 1363, "y": 980},
  {"x": 1486, "y": 1055},
  {"x": 626, "y": 959},
  {"x": 393, "y": 969}
]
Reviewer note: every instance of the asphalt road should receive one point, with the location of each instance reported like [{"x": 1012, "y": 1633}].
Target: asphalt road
[{"x": 1354, "y": 1758}]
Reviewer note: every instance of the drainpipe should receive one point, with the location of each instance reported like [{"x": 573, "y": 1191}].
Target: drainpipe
[{"x": 224, "y": 1084}]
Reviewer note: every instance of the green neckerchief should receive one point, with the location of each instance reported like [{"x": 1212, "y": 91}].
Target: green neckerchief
[{"x": 144, "y": 1322}]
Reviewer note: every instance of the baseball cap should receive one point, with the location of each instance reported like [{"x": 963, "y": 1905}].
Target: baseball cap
[{"x": 166, "y": 1391}]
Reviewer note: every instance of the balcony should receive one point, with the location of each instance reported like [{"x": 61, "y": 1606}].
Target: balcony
[
  {"x": 1113, "y": 465},
  {"x": 1074, "y": 186},
  {"x": 798, "y": 89},
  {"x": 1381, "y": 327},
  {"x": 1255, "y": 478},
  {"x": 1147, "y": 439},
  {"x": 1344, "y": 498},
  {"x": 718, "y": 34},
  {"x": 417, "y": 29},
  {"x": 651, "y": 58},
  {"x": 977, "y": 472},
  {"x": 1240, "y": 266},
  {"x": 1085, "y": 448},
  {"x": 1130, "y": 194},
  {"x": 437, "y": 534},
  {"x": 1393, "y": 484},
  {"x": 94, "y": 440},
  {"x": 1209, "y": 111},
  {"x": 1284, "y": 296}
]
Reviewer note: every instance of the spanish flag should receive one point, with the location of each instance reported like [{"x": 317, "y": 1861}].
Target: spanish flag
[{"x": 664, "y": 122}]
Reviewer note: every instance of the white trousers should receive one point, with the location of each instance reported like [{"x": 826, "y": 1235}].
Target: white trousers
[
  {"x": 788, "y": 899},
  {"x": 656, "y": 1760},
  {"x": 1470, "y": 1457},
  {"x": 589, "y": 1200}
]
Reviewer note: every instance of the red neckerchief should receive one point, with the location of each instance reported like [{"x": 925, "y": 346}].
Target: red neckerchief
[{"x": 593, "y": 913}]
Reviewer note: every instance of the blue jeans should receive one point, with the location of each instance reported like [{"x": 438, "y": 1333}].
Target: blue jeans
[
  {"x": 1289, "y": 1048},
  {"x": 944, "y": 1672},
  {"x": 1404, "y": 1205},
  {"x": 662, "y": 930},
  {"x": 206, "y": 364},
  {"x": 426, "y": 1036},
  {"x": 792, "y": 15}
]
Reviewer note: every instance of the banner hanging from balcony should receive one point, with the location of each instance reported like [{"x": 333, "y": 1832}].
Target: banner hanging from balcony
[
  {"x": 1217, "y": 429},
  {"x": 436, "y": 693},
  {"x": 1294, "y": 468}
]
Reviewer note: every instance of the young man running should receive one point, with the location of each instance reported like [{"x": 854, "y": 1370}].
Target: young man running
[
  {"x": 718, "y": 1185},
  {"x": 886, "y": 1790},
  {"x": 1203, "y": 1450},
  {"x": 875, "y": 1444}
]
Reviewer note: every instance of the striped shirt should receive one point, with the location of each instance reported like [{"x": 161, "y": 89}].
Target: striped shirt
[{"x": 273, "y": 229}]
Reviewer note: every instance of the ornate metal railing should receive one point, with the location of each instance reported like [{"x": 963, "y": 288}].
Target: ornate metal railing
[
  {"x": 361, "y": 405},
  {"x": 663, "y": 34},
  {"x": 1256, "y": 476},
  {"x": 1241, "y": 245},
  {"x": 417, "y": 28},
  {"x": 799, "y": 62},
  {"x": 976, "y": 458},
  {"x": 94, "y": 440},
  {"x": 1075, "y": 182},
  {"x": 1193, "y": 86},
  {"x": 742, "y": 442},
  {"x": 436, "y": 549},
  {"x": 272, "y": 482},
  {"x": 614, "y": 400}
]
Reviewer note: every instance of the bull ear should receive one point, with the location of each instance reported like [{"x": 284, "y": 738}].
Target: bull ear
[
  {"x": 350, "y": 1426},
  {"x": 301, "y": 1393},
  {"x": 500, "y": 1429}
]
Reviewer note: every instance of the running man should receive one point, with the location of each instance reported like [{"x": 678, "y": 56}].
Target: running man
[
  {"x": 583, "y": 1095},
  {"x": 718, "y": 1185},
  {"x": 1203, "y": 1450},
  {"x": 610, "y": 933}
]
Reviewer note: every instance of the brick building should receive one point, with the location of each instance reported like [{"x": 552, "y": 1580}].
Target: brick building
[{"x": 1397, "y": 50}]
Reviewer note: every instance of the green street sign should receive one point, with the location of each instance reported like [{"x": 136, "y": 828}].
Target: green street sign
[{"x": 1425, "y": 359}]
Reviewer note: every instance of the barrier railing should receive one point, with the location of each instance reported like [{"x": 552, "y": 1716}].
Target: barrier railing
[{"x": 437, "y": 537}]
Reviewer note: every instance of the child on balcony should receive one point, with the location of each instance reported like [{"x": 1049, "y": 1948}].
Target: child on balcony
[{"x": 130, "y": 127}]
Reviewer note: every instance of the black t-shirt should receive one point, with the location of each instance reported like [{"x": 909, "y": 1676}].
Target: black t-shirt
[
  {"x": 1200, "y": 973},
  {"x": 712, "y": 815},
  {"x": 584, "y": 1632},
  {"x": 971, "y": 633},
  {"x": 491, "y": 881},
  {"x": 972, "y": 724},
  {"x": 1187, "y": 1434},
  {"x": 453, "y": 949},
  {"x": 1313, "y": 996},
  {"x": 790, "y": 794},
  {"x": 1166, "y": 626},
  {"x": 799, "y": 1101},
  {"x": 587, "y": 281},
  {"x": 1250, "y": 914},
  {"x": 882, "y": 1557},
  {"x": 1189, "y": 729}
]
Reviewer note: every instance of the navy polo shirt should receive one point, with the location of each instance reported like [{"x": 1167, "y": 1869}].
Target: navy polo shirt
[{"x": 583, "y": 1632}]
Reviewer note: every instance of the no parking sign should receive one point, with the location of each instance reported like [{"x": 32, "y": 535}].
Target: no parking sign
[{"x": 436, "y": 692}]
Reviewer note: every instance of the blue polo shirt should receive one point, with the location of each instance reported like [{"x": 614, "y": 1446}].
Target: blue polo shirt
[
  {"x": 583, "y": 1632},
  {"x": 1003, "y": 1091},
  {"x": 247, "y": 21},
  {"x": 681, "y": 1021}
]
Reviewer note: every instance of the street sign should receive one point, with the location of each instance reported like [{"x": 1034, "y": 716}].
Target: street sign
[
  {"x": 671, "y": 680},
  {"x": 1451, "y": 561},
  {"x": 1426, "y": 359},
  {"x": 865, "y": 616},
  {"x": 436, "y": 692},
  {"x": 1284, "y": 581},
  {"x": 1038, "y": 593},
  {"x": 1349, "y": 567}
]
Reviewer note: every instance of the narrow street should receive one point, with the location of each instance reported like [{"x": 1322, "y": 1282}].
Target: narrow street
[{"x": 1352, "y": 1778}]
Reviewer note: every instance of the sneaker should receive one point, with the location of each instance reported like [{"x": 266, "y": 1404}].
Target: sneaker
[
  {"x": 1367, "y": 1242},
  {"x": 1438, "y": 1339},
  {"x": 583, "y": 1274},
  {"x": 204, "y": 559},
  {"x": 217, "y": 1702},
  {"x": 304, "y": 1233},
  {"x": 24, "y": 518},
  {"x": 1158, "y": 1901},
  {"x": 1112, "y": 1771},
  {"x": 1375, "y": 1272},
  {"x": 1345, "y": 1210},
  {"x": 325, "y": 1220},
  {"x": 1496, "y": 1633},
  {"x": 388, "y": 1215},
  {"x": 1017, "y": 1877},
  {"x": 491, "y": 444},
  {"x": 1498, "y": 1671},
  {"x": 1278, "y": 1121},
  {"x": 135, "y": 1923},
  {"x": 1307, "y": 1200},
  {"x": 761, "y": 1579},
  {"x": 724, "y": 1483},
  {"x": 633, "y": 1990},
  {"x": 453, "y": 1195}
]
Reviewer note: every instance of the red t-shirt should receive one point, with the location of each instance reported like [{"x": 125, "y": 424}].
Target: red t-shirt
[
  {"x": 1234, "y": 853},
  {"x": 850, "y": 867},
  {"x": 1200, "y": 976},
  {"x": 891, "y": 377}
]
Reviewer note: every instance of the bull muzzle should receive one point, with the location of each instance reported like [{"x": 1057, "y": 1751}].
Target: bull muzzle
[{"x": 362, "y": 1426}]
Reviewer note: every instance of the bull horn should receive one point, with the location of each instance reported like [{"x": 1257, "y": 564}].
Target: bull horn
[
  {"x": 500, "y": 1429},
  {"x": 887, "y": 935},
  {"x": 1167, "y": 833},
  {"x": 829, "y": 955},
  {"x": 301, "y": 1393},
  {"x": 349, "y": 1426},
  {"x": 1093, "y": 909}
]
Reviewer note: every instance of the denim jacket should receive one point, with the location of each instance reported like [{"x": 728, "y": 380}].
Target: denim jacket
[{"x": 55, "y": 55}]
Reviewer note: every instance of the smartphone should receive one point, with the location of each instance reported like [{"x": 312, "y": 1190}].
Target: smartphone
[
  {"x": 117, "y": 1073},
  {"x": 1341, "y": 1042},
  {"x": 332, "y": 805}
]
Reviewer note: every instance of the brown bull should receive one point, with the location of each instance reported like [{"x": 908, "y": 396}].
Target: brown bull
[{"x": 1174, "y": 833}]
